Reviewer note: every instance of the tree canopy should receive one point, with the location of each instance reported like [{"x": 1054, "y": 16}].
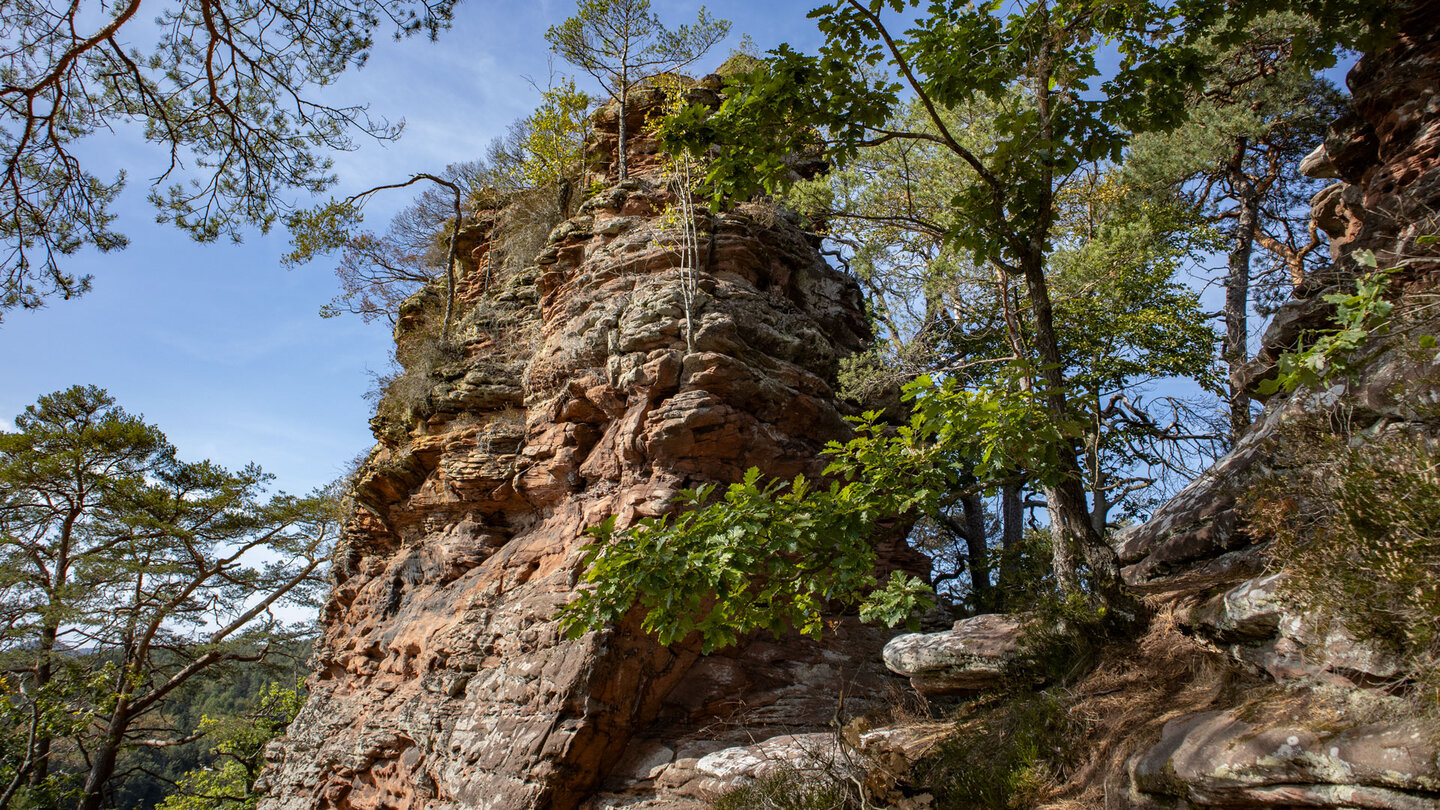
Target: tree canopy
[
  {"x": 1035, "y": 70},
  {"x": 621, "y": 43},
  {"x": 227, "y": 91},
  {"x": 126, "y": 572}
]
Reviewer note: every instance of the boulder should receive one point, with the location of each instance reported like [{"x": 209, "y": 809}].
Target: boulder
[
  {"x": 1258, "y": 626},
  {"x": 976, "y": 655}
]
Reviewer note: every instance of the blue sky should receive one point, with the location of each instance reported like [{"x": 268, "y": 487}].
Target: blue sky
[{"x": 222, "y": 347}]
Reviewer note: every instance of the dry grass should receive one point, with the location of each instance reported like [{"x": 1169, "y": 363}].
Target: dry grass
[{"x": 1128, "y": 698}]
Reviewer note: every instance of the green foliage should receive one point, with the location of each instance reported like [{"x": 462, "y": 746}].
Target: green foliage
[
  {"x": 766, "y": 556},
  {"x": 423, "y": 357},
  {"x": 1259, "y": 113},
  {"x": 126, "y": 572},
  {"x": 774, "y": 555},
  {"x": 742, "y": 59},
  {"x": 987, "y": 432},
  {"x": 238, "y": 753},
  {"x": 319, "y": 230},
  {"x": 558, "y": 130},
  {"x": 621, "y": 42},
  {"x": 1358, "y": 316},
  {"x": 62, "y": 708},
  {"x": 789, "y": 790},
  {"x": 228, "y": 90},
  {"x": 1122, "y": 317},
  {"x": 1004, "y": 753},
  {"x": 546, "y": 146}
]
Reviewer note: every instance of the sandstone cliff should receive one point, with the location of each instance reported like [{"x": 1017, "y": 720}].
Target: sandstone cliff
[{"x": 442, "y": 679}]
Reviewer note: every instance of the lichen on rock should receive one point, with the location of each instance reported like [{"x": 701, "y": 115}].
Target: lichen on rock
[{"x": 442, "y": 679}]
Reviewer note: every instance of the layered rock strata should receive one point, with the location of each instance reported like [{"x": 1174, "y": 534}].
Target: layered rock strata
[
  {"x": 977, "y": 654},
  {"x": 1312, "y": 746},
  {"x": 443, "y": 679}
]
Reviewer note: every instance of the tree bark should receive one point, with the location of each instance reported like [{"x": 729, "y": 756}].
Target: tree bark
[
  {"x": 1237, "y": 289},
  {"x": 624, "y": 173},
  {"x": 1070, "y": 519},
  {"x": 977, "y": 552},
  {"x": 1066, "y": 495},
  {"x": 40, "y": 749},
  {"x": 104, "y": 757},
  {"x": 1012, "y": 529}
]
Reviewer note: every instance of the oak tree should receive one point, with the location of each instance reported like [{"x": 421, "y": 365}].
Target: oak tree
[{"x": 1038, "y": 63}]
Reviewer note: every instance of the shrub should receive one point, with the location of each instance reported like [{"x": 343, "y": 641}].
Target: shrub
[
  {"x": 422, "y": 358},
  {"x": 523, "y": 228},
  {"x": 1006, "y": 753},
  {"x": 1358, "y": 526},
  {"x": 1063, "y": 633},
  {"x": 790, "y": 789}
]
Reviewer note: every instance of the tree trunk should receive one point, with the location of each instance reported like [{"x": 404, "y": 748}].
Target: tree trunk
[
  {"x": 620, "y": 146},
  {"x": 1070, "y": 519},
  {"x": 40, "y": 751},
  {"x": 1066, "y": 496},
  {"x": 1012, "y": 529},
  {"x": 1237, "y": 289},
  {"x": 977, "y": 553},
  {"x": 103, "y": 758},
  {"x": 1062, "y": 545}
]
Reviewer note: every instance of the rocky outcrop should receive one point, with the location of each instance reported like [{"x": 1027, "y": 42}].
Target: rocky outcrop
[
  {"x": 849, "y": 753},
  {"x": 977, "y": 654},
  {"x": 1257, "y": 626},
  {"x": 443, "y": 679},
  {"x": 1286, "y": 740},
  {"x": 1219, "y": 759}
]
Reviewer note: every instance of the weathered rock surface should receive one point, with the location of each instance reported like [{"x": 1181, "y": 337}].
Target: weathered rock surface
[
  {"x": 442, "y": 679},
  {"x": 1200, "y": 551},
  {"x": 976, "y": 655},
  {"x": 1218, "y": 759},
  {"x": 1257, "y": 626}
]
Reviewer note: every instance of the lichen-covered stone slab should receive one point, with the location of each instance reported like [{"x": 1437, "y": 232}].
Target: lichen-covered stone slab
[
  {"x": 1218, "y": 759},
  {"x": 974, "y": 656}
]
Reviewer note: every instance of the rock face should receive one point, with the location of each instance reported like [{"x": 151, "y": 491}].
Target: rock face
[
  {"x": 1199, "y": 552},
  {"x": 1256, "y": 625},
  {"x": 1217, "y": 759},
  {"x": 442, "y": 679}
]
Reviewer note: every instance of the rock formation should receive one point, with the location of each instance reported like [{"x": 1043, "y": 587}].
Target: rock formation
[
  {"x": 977, "y": 654},
  {"x": 1211, "y": 564},
  {"x": 1237, "y": 696},
  {"x": 442, "y": 679}
]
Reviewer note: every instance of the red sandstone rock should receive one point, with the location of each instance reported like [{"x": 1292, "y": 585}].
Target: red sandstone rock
[{"x": 442, "y": 679}]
